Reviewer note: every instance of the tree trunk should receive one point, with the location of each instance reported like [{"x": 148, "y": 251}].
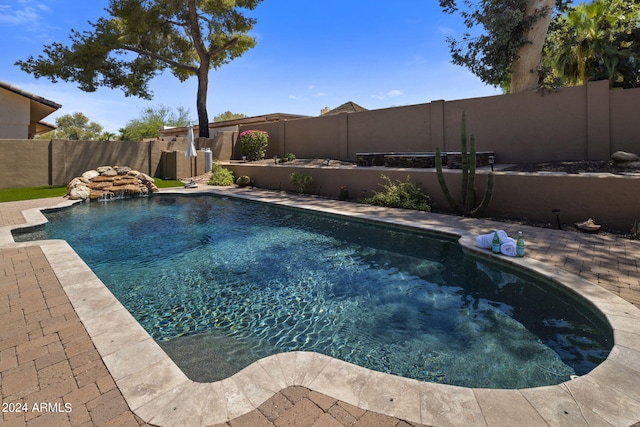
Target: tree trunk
[
  {"x": 203, "y": 117},
  {"x": 525, "y": 73}
]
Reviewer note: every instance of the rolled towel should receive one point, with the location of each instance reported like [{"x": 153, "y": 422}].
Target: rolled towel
[
  {"x": 508, "y": 248},
  {"x": 484, "y": 241}
]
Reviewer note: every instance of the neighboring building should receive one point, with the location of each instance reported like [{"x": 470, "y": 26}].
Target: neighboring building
[
  {"x": 228, "y": 125},
  {"x": 347, "y": 107},
  {"x": 21, "y": 113}
]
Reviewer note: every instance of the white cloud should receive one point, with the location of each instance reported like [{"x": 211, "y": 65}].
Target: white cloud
[
  {"x": 417, "y": 59},
  {"x": 28, "y": 13},
  {"x": 320, "y": 94},
  {"x": 445, "y": 30},
  {"x": 391, "y": 94},
  {"x": 292, "y": 97}
]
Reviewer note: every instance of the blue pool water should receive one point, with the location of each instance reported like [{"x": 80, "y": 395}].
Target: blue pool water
[{"x": 220, "y": 283}]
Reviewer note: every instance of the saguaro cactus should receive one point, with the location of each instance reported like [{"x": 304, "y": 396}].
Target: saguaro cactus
[{"x": 468, "y": 193}]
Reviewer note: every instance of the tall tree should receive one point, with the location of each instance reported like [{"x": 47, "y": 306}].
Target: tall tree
[
  {"x": 151, "y": 120},
  {"x": 228, "y": 115},
  {"x": 595, "y": 41},
  {"x": 508, "y": 41},
  {"x": 75, "y": 127},
  {"x": 140, "y": 39}
]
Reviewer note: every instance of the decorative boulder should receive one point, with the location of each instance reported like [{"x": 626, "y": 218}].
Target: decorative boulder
[
  {"x": 80, "y": 192},
  {"x": 624, "y": 159},
  {"x": 107, "y": 171},
  {"x": 122, "y": 170},
  {"x": 89, "y": 175}
]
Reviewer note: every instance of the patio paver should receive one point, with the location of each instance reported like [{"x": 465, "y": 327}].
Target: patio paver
[{"x": 48, "y": 356}]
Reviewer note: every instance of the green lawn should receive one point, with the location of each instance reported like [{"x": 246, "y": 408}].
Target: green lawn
[
  {"x": 167, "y": 183},
  {"x": 29, "y": 193}
]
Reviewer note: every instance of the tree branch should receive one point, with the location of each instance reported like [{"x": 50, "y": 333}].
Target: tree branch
[
  {"x": 160, "y": 58},
  {"x": 227, "y": 45}
]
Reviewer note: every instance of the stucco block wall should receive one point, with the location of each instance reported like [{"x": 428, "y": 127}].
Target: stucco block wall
[
  {"x": 516, "y": 195},
  {"x": 392, "y": 129},
  {"x": 625, "y": 120},
  {"x": 578, "y": 123},
  {"x": 21, "y": 162},
  {"x": 14, "y": 116}
]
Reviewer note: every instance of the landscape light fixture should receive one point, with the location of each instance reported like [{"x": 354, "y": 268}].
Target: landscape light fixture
[
  {"x": 557, "y": 212},
  {"x": 492, "y": 160},
  {"x": 275, "y": 159}
]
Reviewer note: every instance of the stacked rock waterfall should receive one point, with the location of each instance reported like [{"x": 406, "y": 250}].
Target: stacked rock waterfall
[{"x": 110, "y": 182}]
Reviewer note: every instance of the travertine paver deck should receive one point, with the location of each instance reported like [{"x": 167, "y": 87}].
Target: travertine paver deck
[{"x": 46, "y": 355}]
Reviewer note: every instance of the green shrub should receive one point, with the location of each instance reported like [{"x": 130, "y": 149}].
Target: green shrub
[
  {"x": 243, "y": 181},
  {"x": 300, "y": 181},
  {"x": 287, "y": 158},
  {"x": 253, "y": 144},
  {"x": 401, "y": 194},
  {"x": 221, "y": 176}
]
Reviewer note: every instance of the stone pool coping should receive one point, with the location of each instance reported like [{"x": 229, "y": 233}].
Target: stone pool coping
[{"x": 158, "y": 392}]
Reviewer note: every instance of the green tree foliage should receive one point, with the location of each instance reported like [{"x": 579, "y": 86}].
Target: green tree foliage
[
  {"x": 228, "y": 115},
  {"x": 75, "y": 127},
  {"x": 141, "y": 39},
  {"x": 507, "y": 40},
  {"x": 108, "y": 136},
  {"x": 595, "y": 41},
  {"x": 151, "y": 120}
]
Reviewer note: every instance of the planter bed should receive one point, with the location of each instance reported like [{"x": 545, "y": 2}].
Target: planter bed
[{"x": 451, "y": 159}]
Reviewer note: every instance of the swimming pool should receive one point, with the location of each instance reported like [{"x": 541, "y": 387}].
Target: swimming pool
[{"x": 250, "y": 280}]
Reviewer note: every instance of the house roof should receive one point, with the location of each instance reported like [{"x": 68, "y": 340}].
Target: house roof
[
  {"x": 29, "y": 95},
  {"x": 347, "y": 107},
  {"x": 275, "y": 117},
  {"x": 39, "y": 108},
  {"x": 44, "y": 127}
]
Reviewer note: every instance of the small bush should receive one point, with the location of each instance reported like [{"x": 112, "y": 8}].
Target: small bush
[
  {"x": 401, "y": 194},
  {"x": 287, "y": 158},
  {"x": 300, "y": 181},
  {"x": 243, "y": 181},
  {"x": 253, "y": 144},
  {"x": 221, "y": 176}
]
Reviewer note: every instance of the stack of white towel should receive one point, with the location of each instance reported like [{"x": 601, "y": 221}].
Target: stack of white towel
[{"x": 507, "y": 244}]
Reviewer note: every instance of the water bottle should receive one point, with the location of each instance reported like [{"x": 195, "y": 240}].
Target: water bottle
[
  {"x": 520, "y": 245},
  {"x": 495, "y": 243}
]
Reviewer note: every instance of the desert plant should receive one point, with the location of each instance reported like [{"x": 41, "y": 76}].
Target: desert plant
[
  {"x": 253, "y": 144},
  {"x": 243, "y": 181},
  {"x": 344, "y": 193},
  {"x": 468, "y": 194},
  {"x": 221, "y": 176},
  {"x": 287, "y": 158},
  {"x": 401, "y": 194},
  {"x": 300, "y": 181}
]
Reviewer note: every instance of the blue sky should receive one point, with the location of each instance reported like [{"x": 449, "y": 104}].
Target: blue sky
[{"x": 309, "y": 55}]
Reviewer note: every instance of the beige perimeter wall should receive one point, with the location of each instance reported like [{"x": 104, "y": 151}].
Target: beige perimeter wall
[
  {"x": 579, "y": 123},
  {"x": 35, "y": 162},
  {"x": 611, "y": 200}
]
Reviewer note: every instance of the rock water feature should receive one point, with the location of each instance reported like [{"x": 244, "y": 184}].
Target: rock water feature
[{"x": 107, "y": 182}]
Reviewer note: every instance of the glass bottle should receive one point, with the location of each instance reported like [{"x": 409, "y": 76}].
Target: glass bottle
[
  {"x": 495, "y": 243},
  {"x": 520, "y": 245}
]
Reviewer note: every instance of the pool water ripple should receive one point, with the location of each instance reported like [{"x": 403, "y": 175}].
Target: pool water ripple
[{"x": 248, "y": 281}]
